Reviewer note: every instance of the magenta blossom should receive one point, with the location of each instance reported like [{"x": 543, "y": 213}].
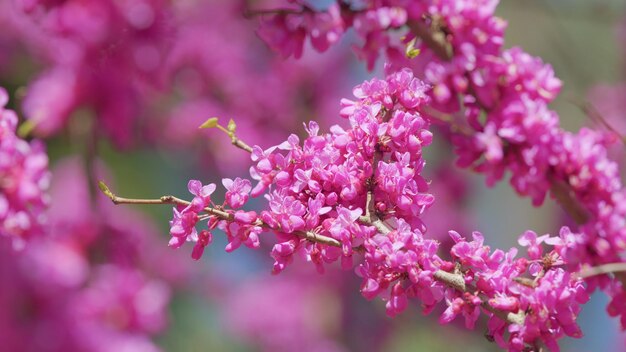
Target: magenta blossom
[{"x": 24, "y": 181}]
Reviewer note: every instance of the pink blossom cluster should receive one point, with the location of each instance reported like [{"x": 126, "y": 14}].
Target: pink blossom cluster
[
  {"x": 286, "y": 30},
  {"x": 521, "y": 135},
  {"x": 496, "y": 103},
  {"x": 91, "y": 283},
  {"x": 511, "y": 86},
  {"x": 24, "y": 181},
  {"x": 355, "y": 195},
  {"x": 358, "y": 193},
  {"x": 329, "y": 171},
  {"x": 549, "y": 296}
]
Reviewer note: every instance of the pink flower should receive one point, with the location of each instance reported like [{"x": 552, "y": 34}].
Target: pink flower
[
  {"x": 283, "y": 33},
  {"x": 204, "y": 239},
  {"x": 24, "y": 181},
  {"x": 237, "y": 192}
]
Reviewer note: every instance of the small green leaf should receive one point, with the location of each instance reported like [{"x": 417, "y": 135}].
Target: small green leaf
[
  {"x": 26, "y": 128},
  {"x": 232, "y": 126},
  {"x": 210, "y": 123},
  {"x": 411, "y": 52},
  {"x": 104, "y": 188}
]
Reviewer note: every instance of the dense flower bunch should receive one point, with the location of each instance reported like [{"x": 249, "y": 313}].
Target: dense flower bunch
[
  {"x": 358, "y": 193},
  {"x": 354, "y": 196},
  {"x": 329, "y": 171},
  {"x": 146, "y": 70},
  {"x": 24, "y": 181},
  {"x": 502, "y": 96}
]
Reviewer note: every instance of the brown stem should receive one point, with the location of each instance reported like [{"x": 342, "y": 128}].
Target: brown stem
[
  {"x": 512, "y": 318},
  {"x": 590, "y": 110},
  {"x": 378, "y": 224},
  {"x": 455, "y": 281},
  {"x": 249, "y": 13},
  {"x": 240, "y": 144},
  {"x": 223, "y": 215},
  {"x": 565, "y": 196},
  {"x": 612, "y": 268},
  {"x": 235, "y": 140},
  {"x": 370, "y": 202}
]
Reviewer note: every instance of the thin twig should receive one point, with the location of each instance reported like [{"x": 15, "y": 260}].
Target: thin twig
[
  {"x": 235, "y": 140},
  {"x": 378, "y": 224},
  {"x": 612, "y": 268},
  {"x": 223, "y": 215},
  {"x": 592, "y": 112},
  {"x": 447, "y": 119},
  {"x": 512, "y": 318},
  {"x": 250, "y": 13},
  {"x": 240, "y": 144},
  {"x": 565, "y": 196},
  {"x": 370, "y": 202}
]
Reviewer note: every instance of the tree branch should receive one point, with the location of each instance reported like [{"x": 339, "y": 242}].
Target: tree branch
[
  {"x": 221, "y": 214},
  {"x": 380, "y": 226},
  {"x": 251, "y": 13},
  {"x": 565, "y": 196},
  {"x": 455, "y": 281},
  {"x": 612, "y": 268}
]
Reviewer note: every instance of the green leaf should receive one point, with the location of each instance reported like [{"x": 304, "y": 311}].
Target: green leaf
[
  {"x": 232, "y": 126},
  {"x": 105, "y": 189},
  {"x": 411, "y": 52},
  {"x": 26, "y": 128},
  {"x": 210, "y": 123}
]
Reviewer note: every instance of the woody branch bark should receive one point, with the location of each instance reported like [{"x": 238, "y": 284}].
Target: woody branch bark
[{"x": 221, "y": 214}]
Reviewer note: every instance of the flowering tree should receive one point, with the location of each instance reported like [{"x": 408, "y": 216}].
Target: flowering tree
[{"x": 354, "y": 195}]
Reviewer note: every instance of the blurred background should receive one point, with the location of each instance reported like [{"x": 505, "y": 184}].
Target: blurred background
[{"x": 118, "y": 88}]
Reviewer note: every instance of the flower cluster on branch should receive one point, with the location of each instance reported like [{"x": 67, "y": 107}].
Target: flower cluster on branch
[
  {"x": 24, "y": 181},
  {"x": 356, "y": 196},
  {"x": 495, "y": 104}
]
